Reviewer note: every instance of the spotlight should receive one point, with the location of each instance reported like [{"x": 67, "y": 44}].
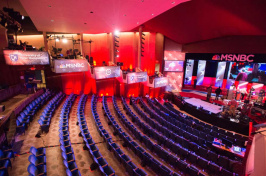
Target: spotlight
[
  {"x": 117, "y": 32},
  {"x": 57, "y": 39},
  {"x": 22, "y": 17},
  {"x": 64, "y": 40},
  {"x": 117, "y": 55}
]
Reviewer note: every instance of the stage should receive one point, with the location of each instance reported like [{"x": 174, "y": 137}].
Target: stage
[{"x": 205, "y": 105}]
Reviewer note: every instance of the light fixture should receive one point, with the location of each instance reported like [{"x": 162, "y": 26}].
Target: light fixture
[
  {"x": 22, "y": 17},
  {"x": 117, "y": 55},
  {"x": 152, "y": 14},
  {"x": 117, "y": 32},
  {"x": 57, "y": 39},
  {"x": 64, "y": 40}
]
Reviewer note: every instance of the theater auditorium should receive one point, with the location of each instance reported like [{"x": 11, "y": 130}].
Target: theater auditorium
[{"x": 132, "y": 88}]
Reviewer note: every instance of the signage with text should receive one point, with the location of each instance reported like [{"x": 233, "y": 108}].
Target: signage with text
[
  {"x": 68, "y": 66},
  {"x": 160, "y": 82},
  {"x": 256, "y": 58},
  {"x": 107, "y": 72},
  {"x": 136, "y": 77},
  {"x": 21, "y": 57}
]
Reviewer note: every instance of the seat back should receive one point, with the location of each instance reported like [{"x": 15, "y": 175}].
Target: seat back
[
  {"x": 33, "y": 150},
  {"x": 32, "y": 159},
  {"x": 32, "y": 169}
]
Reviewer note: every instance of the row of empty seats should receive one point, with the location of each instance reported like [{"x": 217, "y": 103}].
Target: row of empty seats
[
  {"x": 6, "y": 153},
  {"x": 26, "y": 116},
  {"x": 89, "y": 144},
  {"x": 65, "y": 143},
  {"x": 186, "y": 149},
  {"x": 131, "y": 168},
  {"x": 207, "y": 128},
  {"x": 37, "y": 161},
  {"x": 178, "y": 133},
  {"x": 49, "y": 110},
  {"x": 147, "y": 159}
]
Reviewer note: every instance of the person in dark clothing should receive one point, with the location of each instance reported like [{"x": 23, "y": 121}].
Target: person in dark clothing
[
  {"x": 195, "y": 83},
  {"x": 209, "y": 93},
  {"x": 217, "y": 91}
]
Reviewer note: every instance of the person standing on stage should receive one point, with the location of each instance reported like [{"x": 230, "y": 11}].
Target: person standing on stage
[
  {"x": 217, "y": 91},
  {"x": 232, "y": 107},
  {"x": 195, "y": 83},
  {"x": 209, "y": 93},
  {"x": 243, "y": 93},
  {"x": 261, "y": 96}
]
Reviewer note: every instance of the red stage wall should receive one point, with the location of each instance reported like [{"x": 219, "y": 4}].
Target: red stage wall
[
  {"x": 128, "y": 50},
  {"x": 100, "y": 47},
  {"x": 148, "y": 59}
]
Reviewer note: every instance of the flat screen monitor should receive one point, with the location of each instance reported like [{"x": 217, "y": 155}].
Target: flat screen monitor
[
  {"x": 249, "y": 72},
  {"x": 173, "y": 65}
]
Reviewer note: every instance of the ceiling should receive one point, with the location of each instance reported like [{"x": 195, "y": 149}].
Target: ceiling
[
  {"x": 183, "y": 21},
  {"x": 108, "y": 15},
  {"x": 199, "y": 20}
]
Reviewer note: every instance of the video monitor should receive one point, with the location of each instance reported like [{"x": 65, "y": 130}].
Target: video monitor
[
  {"x": 173, "y": 65},
  {"x": 249, "y": 72}
]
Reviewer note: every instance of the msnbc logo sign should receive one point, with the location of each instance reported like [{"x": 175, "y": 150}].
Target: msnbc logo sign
[
  {"x": 234, "y": 57},
  {"x": 216, "y": 57}
]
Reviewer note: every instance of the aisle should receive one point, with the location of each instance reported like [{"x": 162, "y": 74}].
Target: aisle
[{"x": 108, "y": 155}]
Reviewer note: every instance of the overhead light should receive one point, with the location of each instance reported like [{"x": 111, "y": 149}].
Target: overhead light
[
  {"x": 152, "y": 14},
  {"x": 57, "y": 39},
  {"x": 117, "y": 55},
  {"x": 22, "y": 17},
  {"x": 64, "y": 40},
  {"x": 117, "y": 32}
]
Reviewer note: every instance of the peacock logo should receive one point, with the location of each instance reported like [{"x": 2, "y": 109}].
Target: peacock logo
[{"x": 216, "y": 57}]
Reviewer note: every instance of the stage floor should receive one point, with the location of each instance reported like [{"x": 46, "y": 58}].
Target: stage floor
[{"x": 206, "y": 105}]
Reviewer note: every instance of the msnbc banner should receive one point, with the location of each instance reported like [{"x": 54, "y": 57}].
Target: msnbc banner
[
  {"x": 68, "y": 66},
  {"x": 136, "y": 77},
  {"x": 107, "y": 72},
  {"x": 160, "y": 82},
  {"x": 21, "y": 57}
]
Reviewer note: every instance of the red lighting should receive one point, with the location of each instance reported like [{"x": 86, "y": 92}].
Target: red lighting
[
  {"x": 101, "y": 95},
  {"x": 32, "y": 68},
  {"x": 106, "y": 93}
]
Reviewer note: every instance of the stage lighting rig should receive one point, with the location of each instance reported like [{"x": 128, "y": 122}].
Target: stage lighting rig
[
  {"x": 116, "y": 43},
  {"x": 142, "y": 43}
]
